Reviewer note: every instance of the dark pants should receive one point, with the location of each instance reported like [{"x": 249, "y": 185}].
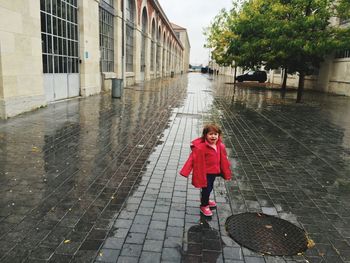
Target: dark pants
[{"x": 205, "y": 193}]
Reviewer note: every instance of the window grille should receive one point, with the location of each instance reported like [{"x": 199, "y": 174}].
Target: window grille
[
  {"x": 143, "y": 40},
  {"x": 343, "y": 53},
  {"x": 59, "y": 36},
  {"x": 129, "y": 31},
  {"x": 106, "y": 40},
  {"x": 109, "y": 2},
  {"x": 168, "y": 57},
  {"x": 158, "y": 51},
  {"x": 153, "y": 46}
]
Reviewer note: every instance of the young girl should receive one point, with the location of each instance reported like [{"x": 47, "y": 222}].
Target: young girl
[{"x": 208, "y": 160}]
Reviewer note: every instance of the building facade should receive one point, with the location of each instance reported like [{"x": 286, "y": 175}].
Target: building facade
[
  {"x": 181, "y": 34},
  {"x": 57, "y": 49}
]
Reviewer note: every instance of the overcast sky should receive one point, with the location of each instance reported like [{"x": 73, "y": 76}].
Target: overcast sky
[{"x": 194, "y": 15}]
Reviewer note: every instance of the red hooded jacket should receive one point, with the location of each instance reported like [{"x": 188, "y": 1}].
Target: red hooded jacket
[{"x": 197, "y": 162}]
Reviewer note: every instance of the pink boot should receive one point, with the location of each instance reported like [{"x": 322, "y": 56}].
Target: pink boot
[
  {"x": 212, "y": 204},
  {"x": 205, "y": 210}
]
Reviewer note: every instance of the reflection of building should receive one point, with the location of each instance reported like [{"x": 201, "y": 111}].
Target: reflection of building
[
  {"x": 181, "y": 34},
  {"x": 57, "y": 49}
]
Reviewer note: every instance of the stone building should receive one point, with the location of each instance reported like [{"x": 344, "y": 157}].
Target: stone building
[
  {"x": 58, "y": 49},
  {"x": 181, "y": 34}
]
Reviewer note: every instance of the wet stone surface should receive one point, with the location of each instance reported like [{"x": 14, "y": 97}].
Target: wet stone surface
[{"x": 96, "y": 179}]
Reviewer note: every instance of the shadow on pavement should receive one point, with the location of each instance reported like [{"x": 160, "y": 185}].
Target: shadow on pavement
[{"x": 204, "y": 243}]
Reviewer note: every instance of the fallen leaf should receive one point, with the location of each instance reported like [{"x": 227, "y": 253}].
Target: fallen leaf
[
  {"x": 35, "y": 149},
  {"x": 268, "y": 226},
  {"x": 310, "y": 243},
  {"x": 66, "y": 241}
]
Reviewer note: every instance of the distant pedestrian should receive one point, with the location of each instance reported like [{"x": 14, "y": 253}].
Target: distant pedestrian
[{"x": 208, "y": 160}]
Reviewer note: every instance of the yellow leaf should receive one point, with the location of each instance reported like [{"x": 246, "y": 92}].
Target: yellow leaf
[
  {"x": 310, "y": 243},
  {"x": 35, "y": 149},
  {"x": 67, "y": 241}
]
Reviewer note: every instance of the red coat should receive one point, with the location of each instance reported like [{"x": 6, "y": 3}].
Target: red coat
[{"x": 197, "y": 162}]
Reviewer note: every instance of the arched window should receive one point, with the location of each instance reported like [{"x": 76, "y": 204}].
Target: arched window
[
  {"x": 168, "y": 55},
  {"x": 59, "y": 36},
  {"x": 143, "y": 39},
  {"x": 164, "y": 54},
  {"x": 153, "y": 44},
  {"x": 129, "y": 31},
  {"x": 158, "y": 50},
  {"x": 106, "y": 20}
]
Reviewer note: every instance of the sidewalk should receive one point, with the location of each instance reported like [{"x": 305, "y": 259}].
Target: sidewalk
[{"x": 96, "y": 179}]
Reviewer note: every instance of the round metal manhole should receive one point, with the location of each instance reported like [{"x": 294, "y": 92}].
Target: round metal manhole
[{"x": 266, "y": 234}]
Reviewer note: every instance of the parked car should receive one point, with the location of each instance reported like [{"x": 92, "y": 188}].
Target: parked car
[{"x": 257, "y": 75}]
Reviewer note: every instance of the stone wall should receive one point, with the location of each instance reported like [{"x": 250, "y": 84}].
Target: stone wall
[{"x": 21, "y": 86}]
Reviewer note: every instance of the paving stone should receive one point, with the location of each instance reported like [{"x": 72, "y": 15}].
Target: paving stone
[
  {"x": 108, "y": 255},
  {"x": 150, "y": 257},
  {"x": 153, "y": 245},
  {"x": 157, "y": 225},
  {"x": 133, "y": 250},
  {"x": 135, "y": 238},
  {"x": 289, "y": 160},
  {"x": 155, "y": 234},
  {"x": 171, "y": 254},
  {"x": 113, "y": 243}
]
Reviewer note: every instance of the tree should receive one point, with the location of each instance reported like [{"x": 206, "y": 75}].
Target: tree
[
  {"x": 293, "y": 34},
  {"x": 218, "y": 38}
]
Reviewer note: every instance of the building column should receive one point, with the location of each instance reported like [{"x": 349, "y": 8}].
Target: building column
[
  {"x": 119, "y": 64},
  {"x": 21, "y": 69},
  {"x": 137, "y": 54},
  {"x": 159, "y": 69},
  {"x": 90, "y": 76},
  {"x": 148, "y": 57}
]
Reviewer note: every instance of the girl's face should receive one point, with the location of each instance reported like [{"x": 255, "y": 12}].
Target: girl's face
[{"x": 212, "y": 137}]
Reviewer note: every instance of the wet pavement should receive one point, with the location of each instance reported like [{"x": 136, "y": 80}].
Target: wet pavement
[{"x": 96, "y": 179}]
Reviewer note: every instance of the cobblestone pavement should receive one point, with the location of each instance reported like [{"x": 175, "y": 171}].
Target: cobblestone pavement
[{"x": 96, "y": 179}]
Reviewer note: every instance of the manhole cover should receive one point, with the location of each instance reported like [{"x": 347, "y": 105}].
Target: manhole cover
[{"x": 266, "y": 234}]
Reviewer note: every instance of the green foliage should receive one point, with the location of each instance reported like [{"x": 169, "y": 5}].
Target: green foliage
[
  {"x": 218, "y": 38},
  {"x": 342, "y": 9},
  {"x": 293, "y": 34}
]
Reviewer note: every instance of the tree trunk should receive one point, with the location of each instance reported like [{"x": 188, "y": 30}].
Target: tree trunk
[
  {"x": 300, "y": 86},
  {"x": 284, "y": 83},
  {"x": 234, "y": 79}
]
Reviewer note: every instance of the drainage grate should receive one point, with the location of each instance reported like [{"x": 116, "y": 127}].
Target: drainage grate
[{"x": 266, "y": 234}]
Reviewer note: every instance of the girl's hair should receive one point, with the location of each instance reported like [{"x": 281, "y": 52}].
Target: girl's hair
[{"x": 211, "y": 128}]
